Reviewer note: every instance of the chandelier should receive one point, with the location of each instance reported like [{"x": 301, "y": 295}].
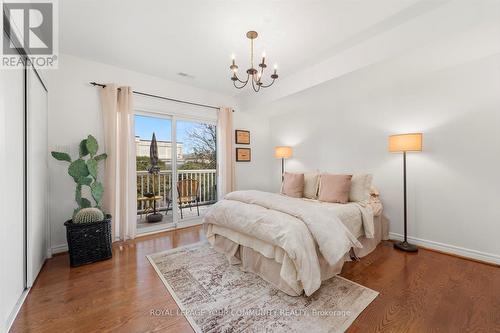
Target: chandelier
[{"x": 253, "y": 75}]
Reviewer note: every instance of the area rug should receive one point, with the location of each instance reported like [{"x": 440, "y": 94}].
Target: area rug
[{"x": 215, "y": 296}]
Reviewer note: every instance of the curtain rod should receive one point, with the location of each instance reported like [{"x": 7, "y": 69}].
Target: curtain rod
[{"x": 161, "y": 97}]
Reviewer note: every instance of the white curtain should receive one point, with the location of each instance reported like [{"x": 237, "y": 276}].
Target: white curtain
[
  {"x": 120, "y": 173},
  {"x": 225, "y": 152}
]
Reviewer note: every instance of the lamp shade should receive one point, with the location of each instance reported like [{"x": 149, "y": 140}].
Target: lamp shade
[
  {"x": 405, "y": 142},
  {"x": 283, "y": 152}
]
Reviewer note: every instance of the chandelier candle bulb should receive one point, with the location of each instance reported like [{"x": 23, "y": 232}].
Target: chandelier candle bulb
[{"x": 233, "y": 67}]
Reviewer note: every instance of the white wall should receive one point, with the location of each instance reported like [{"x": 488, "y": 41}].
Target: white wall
[
  {"x": 255, "y": 174},
  {"x": 448, "y": 90},
  {"x": 74, "y": 112}
]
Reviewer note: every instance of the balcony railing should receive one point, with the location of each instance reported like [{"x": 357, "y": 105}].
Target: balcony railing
[{"x": 163, "y": 186}]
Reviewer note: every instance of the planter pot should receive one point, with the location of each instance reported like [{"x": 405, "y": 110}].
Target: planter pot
[
  {"x": 89, "y": 242},
  {"x": 153, "y": 218}
]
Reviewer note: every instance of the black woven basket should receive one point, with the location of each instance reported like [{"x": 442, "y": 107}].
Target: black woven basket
[{"x": 89, "y": 242}]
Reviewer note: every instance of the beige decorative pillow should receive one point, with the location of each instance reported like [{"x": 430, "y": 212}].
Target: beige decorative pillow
[
  {"x": 311, "y": 182},
  {"x": 334, "y": 188},
  {"x": 360, "y": 187},
  {"x": 293, "y": 185}
]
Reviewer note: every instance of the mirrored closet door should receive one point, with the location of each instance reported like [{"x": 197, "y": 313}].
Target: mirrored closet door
[{"x": 37, "y": 232}]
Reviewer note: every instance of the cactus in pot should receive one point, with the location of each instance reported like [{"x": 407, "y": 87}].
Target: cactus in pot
[
  {"x": 83, "y": 170},
  {"x": 88, "y": 215}
]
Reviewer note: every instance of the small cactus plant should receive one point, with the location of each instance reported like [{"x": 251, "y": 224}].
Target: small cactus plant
[
  {"x": 83, "y": 170},
  {"x": 88, "y": 215}
]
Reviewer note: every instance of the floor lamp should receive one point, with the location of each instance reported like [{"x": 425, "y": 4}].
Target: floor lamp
[
  {"x": 283, "y": 152},
  {"x": 405, "y": 143}
]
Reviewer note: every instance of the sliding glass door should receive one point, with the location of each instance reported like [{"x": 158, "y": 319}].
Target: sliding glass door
[
  {"x": 196, "y": 168},
  {"x": 176, "y": 170},
  {"x": 154, "y": 185}
]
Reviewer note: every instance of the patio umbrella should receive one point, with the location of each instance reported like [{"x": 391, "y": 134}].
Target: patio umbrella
[
  {"x": 153, "y": 170},
  {"x": 153, "y": 154}
]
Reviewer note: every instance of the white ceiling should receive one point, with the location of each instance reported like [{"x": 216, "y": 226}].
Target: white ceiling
[{"x": 163, "y": 38}]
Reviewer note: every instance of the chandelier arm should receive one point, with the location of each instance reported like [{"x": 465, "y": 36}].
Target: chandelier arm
[
  {"x": 244, "y": 82},
  {"x": 270, "y": 84},
  {"x": 241, "y": 87},
  {"x": 255, "y": 89},
  {"x": 253, "y": 86},
  {"x": 236, "y": 75}
]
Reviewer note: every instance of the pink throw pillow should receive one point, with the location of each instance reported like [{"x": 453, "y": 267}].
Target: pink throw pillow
[
  {"x": 334, "y": 188},
  {"x": 293, "y": 185}
]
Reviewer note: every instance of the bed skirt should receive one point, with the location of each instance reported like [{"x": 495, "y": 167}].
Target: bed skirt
[{"x": 269, "y": 267}]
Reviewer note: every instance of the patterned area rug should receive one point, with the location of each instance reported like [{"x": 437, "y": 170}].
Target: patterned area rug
[{"x": 218, "y": 297}]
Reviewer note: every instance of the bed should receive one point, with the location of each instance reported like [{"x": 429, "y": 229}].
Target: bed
[{"x": 293, "y": 243}]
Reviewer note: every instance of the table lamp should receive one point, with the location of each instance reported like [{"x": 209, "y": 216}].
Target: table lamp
[
  {"x": 405, "y": 143},
  {"x": 283, "y": 152}
]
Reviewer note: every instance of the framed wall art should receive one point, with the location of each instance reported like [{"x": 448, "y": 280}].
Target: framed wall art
[
  {"x": 243, "y": 154},
  {"x": 242, "y": 137}
]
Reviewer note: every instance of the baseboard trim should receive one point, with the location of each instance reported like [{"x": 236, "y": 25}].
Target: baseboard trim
[
  {"x": 485, "y": 257},
  {"x": 59, "y": 248},
  {"x": 49, "y": 253}
]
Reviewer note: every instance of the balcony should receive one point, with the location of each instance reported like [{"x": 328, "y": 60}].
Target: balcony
[{"x": 163, "y": 189}]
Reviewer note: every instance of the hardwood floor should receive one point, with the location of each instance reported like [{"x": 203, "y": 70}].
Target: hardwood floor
[{"x": 422, "y": 292}]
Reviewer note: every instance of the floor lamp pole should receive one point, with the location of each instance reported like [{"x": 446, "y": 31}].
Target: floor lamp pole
[
  {"x": 405, "y": 202},
  {"x": 282, "y": 169},
  {"x": 404, "y": 245}
]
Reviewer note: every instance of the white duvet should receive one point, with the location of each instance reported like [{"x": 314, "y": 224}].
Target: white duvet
[{"x": 292, "y": 224}]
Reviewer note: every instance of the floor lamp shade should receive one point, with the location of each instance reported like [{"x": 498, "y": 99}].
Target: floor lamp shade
[
  {"x": 283, "y": 152},
  {"x": 405, "y": 143}
]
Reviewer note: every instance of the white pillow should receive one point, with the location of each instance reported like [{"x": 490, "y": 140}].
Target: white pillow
[
  {"x": 311, "y": 182},
  {"x": 360, "y": 187}
]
